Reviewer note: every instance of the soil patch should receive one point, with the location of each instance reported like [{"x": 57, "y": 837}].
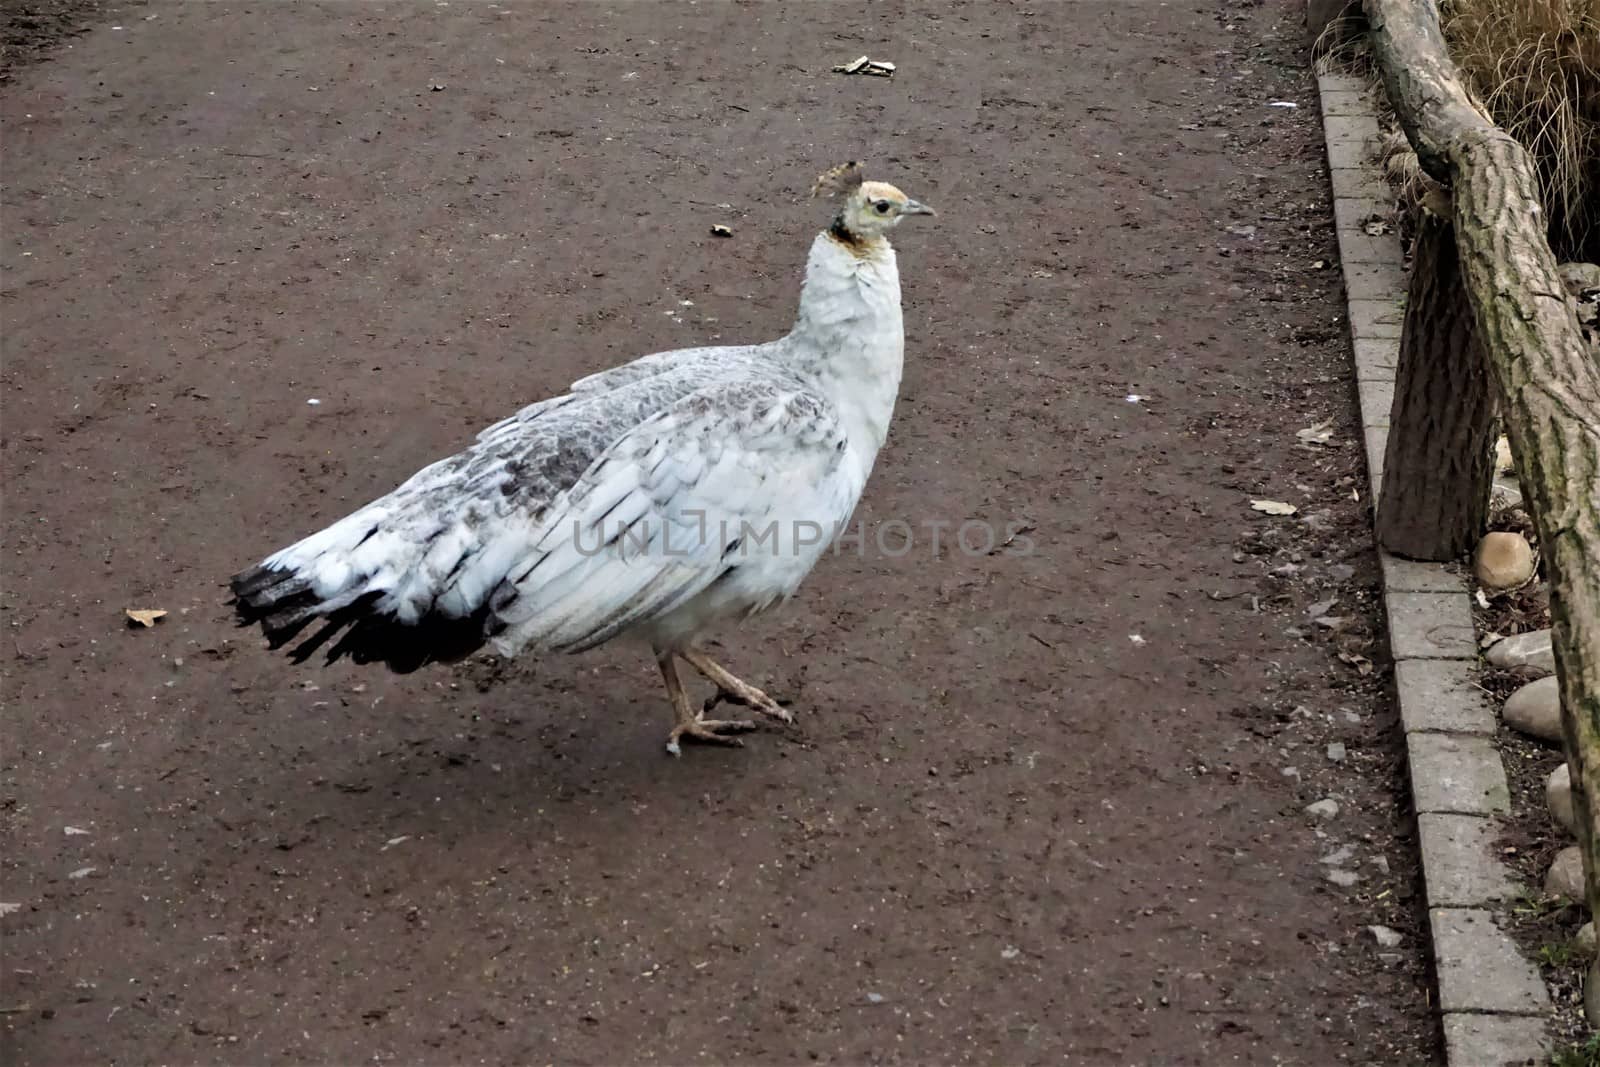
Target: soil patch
[
  {"x": 1037, "y": 808},
  {"x": 31, "y": 29}
]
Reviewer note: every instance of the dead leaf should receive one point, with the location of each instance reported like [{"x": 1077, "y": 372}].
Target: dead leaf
[
  {"x": 1362, "y": 664},
  {"x": 1273, "y": 507},
  {"x": 1319, "y": 434},
  {"x": 145, "y": 616}
]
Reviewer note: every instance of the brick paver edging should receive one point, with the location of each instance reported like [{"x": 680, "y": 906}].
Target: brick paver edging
[{"x": 1493, "y": 1001}]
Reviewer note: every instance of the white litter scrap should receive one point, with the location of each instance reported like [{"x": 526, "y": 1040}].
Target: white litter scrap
[
  {"x": 881, "y": 68},
  {"x": 1283, "y": 103},
  {"x": 1273, "y": 507}
]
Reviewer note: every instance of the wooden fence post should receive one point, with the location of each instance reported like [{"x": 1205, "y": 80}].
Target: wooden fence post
[{"x": 1439, "y": 464}]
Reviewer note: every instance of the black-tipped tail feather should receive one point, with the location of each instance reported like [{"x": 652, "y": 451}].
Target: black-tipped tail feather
[{"x": 283, "y": 604}]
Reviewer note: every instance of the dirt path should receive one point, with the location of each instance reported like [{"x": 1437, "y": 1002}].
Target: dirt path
[{"x": 1006, "y": 831}]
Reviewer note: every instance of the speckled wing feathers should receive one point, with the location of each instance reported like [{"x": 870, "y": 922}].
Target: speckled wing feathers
[
  {"x": 658, "y": 518},
  {"x": 485, "y": 538}
]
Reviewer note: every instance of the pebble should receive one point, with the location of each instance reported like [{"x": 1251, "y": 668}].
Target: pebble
[
  {"x": 1565, "y": 879},
  {"x": 1343, "y": 878},
  {"x": 1341, "y": 572},
  {"x": 1535, "y": 710},
  {"x": 1327, "y": 808},
  {"x": 1583, "y": 940},
  {"x": 1385, "y": 936},
  {"x": 1336, "y": 751},
  {"x": 1339, "y": 855},
  {"x": 1504, "y": 560},
  {"x": 1531, "y": 649},
  {"x": 1558, "y": 797}
]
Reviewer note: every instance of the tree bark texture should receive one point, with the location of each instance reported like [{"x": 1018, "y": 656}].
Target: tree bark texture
[
  {"x": 1549, "y": 385},
  {"x": 1439, "y": 464}
]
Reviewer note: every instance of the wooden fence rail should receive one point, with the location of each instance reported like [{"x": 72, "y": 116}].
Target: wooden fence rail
[{"x": 1548, "y": 385}]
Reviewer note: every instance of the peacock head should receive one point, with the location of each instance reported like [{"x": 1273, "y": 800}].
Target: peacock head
[{"x": 866, "y": 209}]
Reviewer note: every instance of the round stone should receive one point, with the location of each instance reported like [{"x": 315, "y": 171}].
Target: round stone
[
  {"x": 1504, "y": 561},
  {"x": 1565, "y": 879},
  {"x": 1535, "y": 709},
  {"x": 1558, "y": 796},
  {"x": 1532, "y": 649},
  {"x": 1583, "y": 940}
]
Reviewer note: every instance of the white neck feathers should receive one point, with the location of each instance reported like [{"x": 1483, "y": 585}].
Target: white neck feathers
[{"x": 849, "y": 333}]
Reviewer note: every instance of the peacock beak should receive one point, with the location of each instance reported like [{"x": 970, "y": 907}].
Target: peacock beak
[{"x": 913, "y": 207}]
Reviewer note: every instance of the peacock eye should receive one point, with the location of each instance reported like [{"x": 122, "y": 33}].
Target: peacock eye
[{"x": 882, "y": 206}]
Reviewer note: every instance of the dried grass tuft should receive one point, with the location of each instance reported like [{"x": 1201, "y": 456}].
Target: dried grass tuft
[
  {"x": 1535, "y": 66},
  {"x": 1342, "y": 48}
]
